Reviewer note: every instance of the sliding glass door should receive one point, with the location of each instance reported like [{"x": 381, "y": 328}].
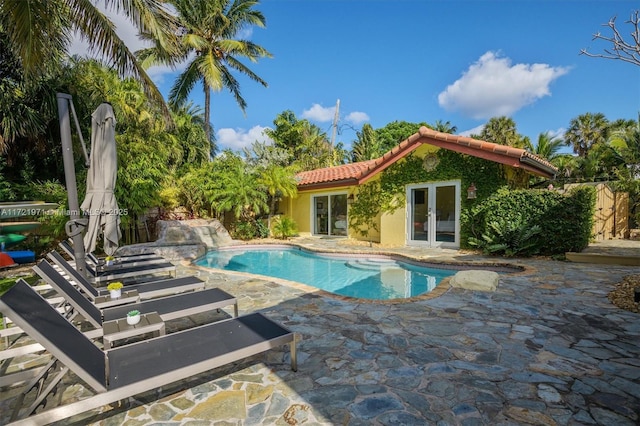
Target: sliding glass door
[{"x": 330, "y": 214}]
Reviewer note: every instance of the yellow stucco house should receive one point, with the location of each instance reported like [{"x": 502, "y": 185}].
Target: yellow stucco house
[{"x": 430, "y": 214}]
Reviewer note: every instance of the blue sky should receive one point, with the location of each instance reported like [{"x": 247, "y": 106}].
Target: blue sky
[{"x": 411, "y": 60}]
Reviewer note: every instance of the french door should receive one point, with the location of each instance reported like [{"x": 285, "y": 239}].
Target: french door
[{"x": 433, "y": 214}]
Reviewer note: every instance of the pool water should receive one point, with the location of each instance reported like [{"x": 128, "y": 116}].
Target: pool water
[{"x": 364, "y": 277}]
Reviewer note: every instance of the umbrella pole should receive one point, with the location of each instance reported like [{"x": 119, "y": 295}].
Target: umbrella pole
[{"x": 74, "y": 225}]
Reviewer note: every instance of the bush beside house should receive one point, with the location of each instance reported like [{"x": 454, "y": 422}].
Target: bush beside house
[{"x": 502, "y": 223}]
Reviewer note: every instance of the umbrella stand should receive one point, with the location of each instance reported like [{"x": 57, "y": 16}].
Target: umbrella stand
[{"x": 76, "y": 224}]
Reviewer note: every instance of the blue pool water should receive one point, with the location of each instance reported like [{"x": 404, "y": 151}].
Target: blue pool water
[{"x": 362, "y": 277}]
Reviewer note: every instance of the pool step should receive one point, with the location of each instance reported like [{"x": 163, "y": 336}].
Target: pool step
[{"x": 371, "y": 264}]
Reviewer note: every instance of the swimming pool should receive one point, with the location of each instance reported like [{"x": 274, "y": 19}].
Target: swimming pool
[{"x": 367, "y": 277}]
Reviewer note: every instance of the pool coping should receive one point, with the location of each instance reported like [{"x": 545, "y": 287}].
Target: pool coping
[{"x": 442, "y": 287}]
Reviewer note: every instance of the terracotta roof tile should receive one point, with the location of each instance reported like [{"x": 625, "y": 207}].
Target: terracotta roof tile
[
  {"x": 344, "y": 172},
  {"x": 357, "y": 173}
]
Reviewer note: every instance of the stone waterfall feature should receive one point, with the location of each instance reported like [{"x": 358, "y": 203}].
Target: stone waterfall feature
[{"x": 183, "y": 239}]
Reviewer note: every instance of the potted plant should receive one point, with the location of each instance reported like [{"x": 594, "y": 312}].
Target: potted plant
[
  {"x": 115, "y": 289},
  {"x": 133, "y": 317},
  {"x": 109, "y": 260}
]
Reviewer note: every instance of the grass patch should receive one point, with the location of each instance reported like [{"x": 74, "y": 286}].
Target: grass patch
[{"x": 7, "y": 283}]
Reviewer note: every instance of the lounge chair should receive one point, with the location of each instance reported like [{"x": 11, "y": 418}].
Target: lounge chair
[
  {"x": 124, "y": 272},
  {"x": 168, "y": 308},
  {"x": 67, "y": 247},
  {"x": 131, "y": 369},
  {"x": 99, "y": 275},
  {"x": 145, "y": 290}
]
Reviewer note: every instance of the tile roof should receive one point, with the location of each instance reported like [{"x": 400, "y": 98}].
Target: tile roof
[{"x": 358, "y": 173}]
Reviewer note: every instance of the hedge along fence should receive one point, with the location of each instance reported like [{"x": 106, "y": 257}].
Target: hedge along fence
[{"x": 528, "y": 222}]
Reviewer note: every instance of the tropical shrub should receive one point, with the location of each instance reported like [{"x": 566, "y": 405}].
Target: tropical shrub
[
  {"x": 526, "y": 222},
  {"x": 249, "y": 230},
  {"x": 284, "y": 227},
  {"x": 509, "y": 238}
]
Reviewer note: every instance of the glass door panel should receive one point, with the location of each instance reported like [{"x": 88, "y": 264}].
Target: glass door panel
[
  {"x": 446, "y": 217},
  {"x": 338, "y": 214},
  {"x": 321, "y": 210},
  {"x": 419, "y": 214}
]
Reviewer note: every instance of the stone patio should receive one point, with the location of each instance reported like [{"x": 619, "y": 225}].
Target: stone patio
[{"x": 546, "y": 347}]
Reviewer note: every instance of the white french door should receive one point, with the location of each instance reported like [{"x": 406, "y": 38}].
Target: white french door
[{"x": 433, "y": 214}]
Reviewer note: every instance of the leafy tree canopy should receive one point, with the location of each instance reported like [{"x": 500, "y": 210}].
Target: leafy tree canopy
[
  {"x": 306, "y": 144},
  {"x": 395, "y": 132}
]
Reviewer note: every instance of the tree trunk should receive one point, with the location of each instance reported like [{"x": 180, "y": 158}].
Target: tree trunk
[
  {"x": 207, "y": 110},
  {"x": 272, "y": 206}
]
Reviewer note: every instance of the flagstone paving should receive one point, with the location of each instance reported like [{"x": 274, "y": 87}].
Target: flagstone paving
[{"x": 545, "y": 348}]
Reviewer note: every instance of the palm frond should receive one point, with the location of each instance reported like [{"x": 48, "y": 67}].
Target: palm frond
[{"x": 184, "y": 84}]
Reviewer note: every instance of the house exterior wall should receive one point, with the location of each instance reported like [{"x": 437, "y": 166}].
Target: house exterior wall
[
  {"x": 301, "y": 208},
  {"x": 300, "y": 212},
  {"x": 427, "y": 164},
  {"x": 393, "y": 226}
]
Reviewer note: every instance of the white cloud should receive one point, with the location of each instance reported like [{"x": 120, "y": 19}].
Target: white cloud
[
  {"x": 493, "y": 86},
  {"x": 357, "y": 117},
  {"x": 237, "y": 139},
  {"x": 319, "y": 113},
  {"x": 475, "y": 131}
]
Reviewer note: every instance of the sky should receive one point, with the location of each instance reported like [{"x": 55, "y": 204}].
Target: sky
[{"x": 422, "y": 61}]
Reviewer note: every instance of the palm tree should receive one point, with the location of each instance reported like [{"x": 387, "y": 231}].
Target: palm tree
[
  {"x": 585, "y": 131},
  {"x": 547, "y": 146},
  {"x": 210, "y": 43},
  {"x": 279, "y": 182},
  {"x": 242, "y": 195},
  {"x": 502, "y": 130},
  {"x": 367, "y": 146},
  {"x": 40, "y": 34},
  {"x": 567, "y": 165},
  {"x": 190, "y": 134},
  {"x": 306, "y": 143},
  {"x": 444, "y": 127},
  {"x": 626, "y": 142}
]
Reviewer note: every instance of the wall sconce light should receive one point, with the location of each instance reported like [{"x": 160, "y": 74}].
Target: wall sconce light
[
  {"x": 350, "y": 199},
  {"x": 471, "y": 192}
]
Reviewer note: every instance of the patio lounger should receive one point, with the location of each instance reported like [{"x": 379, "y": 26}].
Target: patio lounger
[
  {"x": 127, "y": 272},
  {"x": 129, "y": 370},
  {"x": 67, "y": 247},
  {"x": 168, "y": 308},
  {"x": 121, "y": 262},
  {"x": 145, "y": 290},
  {"x": 123, "y": 273}
]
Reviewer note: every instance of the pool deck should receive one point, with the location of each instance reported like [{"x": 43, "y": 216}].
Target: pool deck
[{"x": 545, "y": 348}]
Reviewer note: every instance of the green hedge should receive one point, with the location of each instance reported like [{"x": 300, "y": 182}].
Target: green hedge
[{"x": 528, "y": 222}]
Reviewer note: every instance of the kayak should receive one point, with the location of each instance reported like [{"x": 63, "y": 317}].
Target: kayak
[
  {"x": 11, "y": 239},
  {"x": 10, "y": 227}
]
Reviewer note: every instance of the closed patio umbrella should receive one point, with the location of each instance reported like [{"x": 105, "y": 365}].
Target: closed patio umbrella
[{"x": 100, "y": 202}]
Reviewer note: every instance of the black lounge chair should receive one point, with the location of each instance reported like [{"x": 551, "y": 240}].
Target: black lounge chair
[
  {"x": 146, "y": 290},
  {"x": 168, "y": 308},
  {"x": 129, "y": 370},
  {"x": 123, "y": 272},
  {"x": 135, "y": 259}
]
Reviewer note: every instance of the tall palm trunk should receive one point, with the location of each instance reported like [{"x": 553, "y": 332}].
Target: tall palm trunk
[{"x": 207, "y": 110}]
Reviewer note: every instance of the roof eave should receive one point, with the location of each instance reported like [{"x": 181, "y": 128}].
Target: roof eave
[
  {"x": 499, "y": 154},
  {"x": 326, "y": 185}
]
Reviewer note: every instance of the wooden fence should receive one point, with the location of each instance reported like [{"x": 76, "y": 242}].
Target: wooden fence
[{"x": 611, "y": 218}]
